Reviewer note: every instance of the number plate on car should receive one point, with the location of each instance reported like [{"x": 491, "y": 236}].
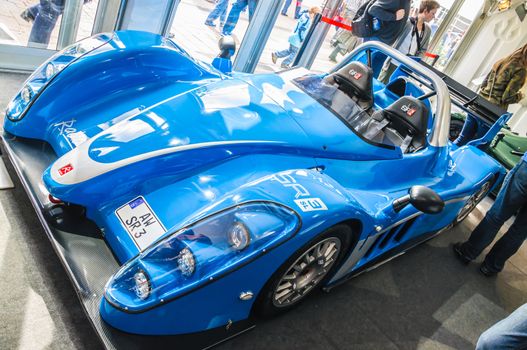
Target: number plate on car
[{"x": 140, "y": 222}]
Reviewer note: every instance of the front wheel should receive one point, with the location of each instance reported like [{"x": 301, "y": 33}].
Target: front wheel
[{"x": 303, "y": 272}]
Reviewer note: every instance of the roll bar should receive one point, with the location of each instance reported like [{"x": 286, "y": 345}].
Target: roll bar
[{"x": 439, "y": 137}]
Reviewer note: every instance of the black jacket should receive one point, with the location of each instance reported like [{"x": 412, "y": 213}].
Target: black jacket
[{"x": 384, "y": 10}]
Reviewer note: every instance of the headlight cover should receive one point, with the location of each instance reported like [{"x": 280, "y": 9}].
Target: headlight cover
[
  {"x": 200, "y": 253},
  {"x": 45, "y": 73}
]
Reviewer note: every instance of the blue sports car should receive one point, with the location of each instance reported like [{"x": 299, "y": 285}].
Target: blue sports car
[{"x": 185, "y": 200}]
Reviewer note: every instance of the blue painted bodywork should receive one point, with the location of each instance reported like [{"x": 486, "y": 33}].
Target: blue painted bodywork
[{"x": 136, "y": 116}]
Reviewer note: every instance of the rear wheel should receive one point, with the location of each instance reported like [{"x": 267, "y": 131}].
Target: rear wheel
[
  {"x": 456, "y": 125},
  {"x": 304, "y": 272}
]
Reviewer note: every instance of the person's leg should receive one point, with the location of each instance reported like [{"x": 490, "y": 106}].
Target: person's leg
[
  {"x": 283, "y": 53},
  {"x": 505, "y": 206},
  {"x": 511, "y": 241},
  {"x": 334, "y": 53},
  {"x": 509, "y": 333},
  {"x": 234, "y": 16},
  {"x": 286, "y": 7},
  {"x": 293, "y": 50},
  {"x": 223, "y": 14},
  {"x": 221, "y": 8},
  {"x": 386, "y": 72},
  {"x": 45, "y": 21},
  {"x": 298, "y": 8},
  {"x": 468, "y": 132}
]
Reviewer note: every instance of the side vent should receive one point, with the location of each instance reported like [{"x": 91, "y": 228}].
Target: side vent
[
  {"x": 395, "y": 234},
  {"x": 404, "y": 229}
]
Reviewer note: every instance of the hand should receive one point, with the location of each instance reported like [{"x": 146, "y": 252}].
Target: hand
[{"x": 399, "y": 14}]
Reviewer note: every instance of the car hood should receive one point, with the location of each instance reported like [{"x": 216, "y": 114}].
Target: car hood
[{"x": 228, "y": 114}]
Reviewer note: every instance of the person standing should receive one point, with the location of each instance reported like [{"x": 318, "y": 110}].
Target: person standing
[
  {"x": 391, "y": 17},
  {"x": 503, "y": 83},
  {"x": 234, "y": 14},
  {"x": 296, "y": 39},
  {"x": 502, "y": 86},
  {"x": 511, "y": 200},
  {"x": 344, "y": 42},
  {"x": 416, "y": 34},
  {"x": 220, "y": 11},
  {"x": 44, "y": 16}
]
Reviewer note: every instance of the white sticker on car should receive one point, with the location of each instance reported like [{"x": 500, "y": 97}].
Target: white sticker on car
[
  {"x": 311, "y": 204},
  {"x": 140, "y": 222}
]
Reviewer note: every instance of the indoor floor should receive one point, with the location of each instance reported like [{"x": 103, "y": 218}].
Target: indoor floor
[{"x": 424, "y": 299}]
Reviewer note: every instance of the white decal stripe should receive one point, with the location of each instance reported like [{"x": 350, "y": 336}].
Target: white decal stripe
[{"x": 85, "y": 168}]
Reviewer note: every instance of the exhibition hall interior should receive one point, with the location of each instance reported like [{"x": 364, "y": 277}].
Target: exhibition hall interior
[{"x": 263, "y": 174}]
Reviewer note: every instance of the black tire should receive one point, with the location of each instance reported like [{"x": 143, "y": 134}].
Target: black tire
[
  {"x": 456, "y": 126},
  {"x": 267, "y": 304}
]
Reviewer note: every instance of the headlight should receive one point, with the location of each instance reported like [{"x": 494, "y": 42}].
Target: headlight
[
  {"x": 26, "y": 94},
  {"x": 202, "y": 252},
  {"x": 186, "y": 262},
  {"x": 42, "y": 75},
  {"x": 142, "y": 285},
  {"x": 50, "y": 70},
  {"x": 239, "y": 236}
]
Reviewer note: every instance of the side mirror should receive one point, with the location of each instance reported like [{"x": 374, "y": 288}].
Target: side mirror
[
  {"x": 227, "y": 47},
  {"x": 422, "y": 198}
]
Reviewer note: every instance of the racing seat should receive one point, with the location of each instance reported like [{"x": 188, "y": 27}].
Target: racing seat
[
  {"x": 402, "y": 124},
  {"x": 356, "y": 81}
]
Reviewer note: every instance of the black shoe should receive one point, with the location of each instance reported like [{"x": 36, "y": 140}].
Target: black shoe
[
  {"x": 484, "y": 269},
  {"x": 27, "y": 16},
  {"x": 456, "y": 247}
]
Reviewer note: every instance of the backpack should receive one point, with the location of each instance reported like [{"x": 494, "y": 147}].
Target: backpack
[{"x": 362, "y": 24}]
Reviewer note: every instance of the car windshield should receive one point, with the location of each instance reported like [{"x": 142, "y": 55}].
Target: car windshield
[{"x": 366, "y": 124}]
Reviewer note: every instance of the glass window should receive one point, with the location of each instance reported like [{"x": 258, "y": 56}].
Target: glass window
[
  {"x": 339, "y": 41},
  {"x": 455, "y": 32},
  {"x": 198, "y": 25},
  {"x": 278, "y": 53},
  {"x": 37, "y": 23}
]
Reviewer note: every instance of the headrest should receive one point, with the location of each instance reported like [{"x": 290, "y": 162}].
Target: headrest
[
  {"x": 357, "y": 77},
  {"x": 412, "y": 112}
]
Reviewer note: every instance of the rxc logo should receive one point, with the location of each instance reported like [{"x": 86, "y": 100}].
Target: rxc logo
[
  {"x": 65, "y": 169},
  {"x": 408, "y": 109},
  {"x": 356, "y": 75}
]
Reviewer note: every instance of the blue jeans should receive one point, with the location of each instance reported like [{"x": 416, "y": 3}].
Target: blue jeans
[
  {"x": 46, "y": 14},
  {"x": 512, "y": 199},
  {"x": 234, "y": 14},
  {"x": 286, "y": 6},
  {"x": 289, "y": 53},
  {"x": 509, "y": 333},
  {"x": 298, "y": 8},
  {"x": 219, "y": 11}
]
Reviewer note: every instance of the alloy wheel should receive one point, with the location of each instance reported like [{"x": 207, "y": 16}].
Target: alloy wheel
[{"x": 306, "y": 272}]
